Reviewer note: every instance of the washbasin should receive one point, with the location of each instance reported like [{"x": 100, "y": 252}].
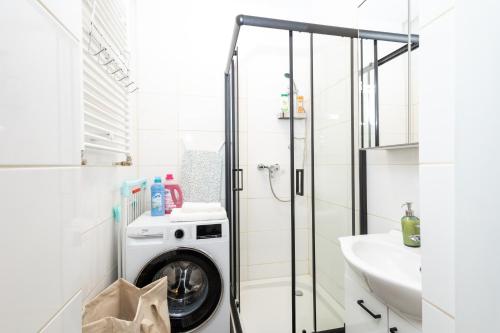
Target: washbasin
[{"x": 391, "y": 270}]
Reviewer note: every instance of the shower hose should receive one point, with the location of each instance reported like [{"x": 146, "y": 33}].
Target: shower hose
[
  {"x": 269, "y": 172},
  {"x": 272, "y": 188}
]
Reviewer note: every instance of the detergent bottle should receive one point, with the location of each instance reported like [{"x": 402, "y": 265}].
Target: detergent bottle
[
  {"x": 157, "y": 198},
  {"x": 173, "y": 197}
]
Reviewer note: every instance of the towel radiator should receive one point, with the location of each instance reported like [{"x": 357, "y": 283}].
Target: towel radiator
[{"x": 106, "y": 126}]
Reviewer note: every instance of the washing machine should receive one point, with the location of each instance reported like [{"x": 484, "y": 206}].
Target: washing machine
[{"x": 195, "y": 258}]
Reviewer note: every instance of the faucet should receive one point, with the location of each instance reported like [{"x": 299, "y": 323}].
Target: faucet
[{"x": 272, "y": 168}]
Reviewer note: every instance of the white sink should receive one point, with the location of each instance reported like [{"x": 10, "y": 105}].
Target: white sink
[{"x": 391, "y": 270}]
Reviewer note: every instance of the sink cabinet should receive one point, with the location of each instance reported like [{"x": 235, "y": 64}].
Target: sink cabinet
[
  {"x": 398, "y": 324},
  {"x": 365, "y": 313},
  {"x": 358, "y": 319}
]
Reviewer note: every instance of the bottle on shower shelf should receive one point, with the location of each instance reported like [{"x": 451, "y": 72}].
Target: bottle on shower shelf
[
  {"x": 300, "y": 104},
  {"x": 285, "y": 111}
]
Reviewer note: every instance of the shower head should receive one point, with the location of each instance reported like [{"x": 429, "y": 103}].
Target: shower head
[{"x": 295, "y": 90}]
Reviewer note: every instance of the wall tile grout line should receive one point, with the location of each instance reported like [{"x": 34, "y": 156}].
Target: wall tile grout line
[
  {"x": 439, "y": 308},
  {"x": 60, "y": 311}
]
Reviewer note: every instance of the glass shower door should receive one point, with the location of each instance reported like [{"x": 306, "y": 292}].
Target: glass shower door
[
  {"x": 321, "y": 141},
  {"x": 287, "y": 268},
  {"x": 303, "y": 294},
  {"x": 236, "y": 185},
  {"x": 265, "y": 202},
  {"x": 332, "y": 141}
]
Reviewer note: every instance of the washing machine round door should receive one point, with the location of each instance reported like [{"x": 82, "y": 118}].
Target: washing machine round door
[{"x": 194, "y": 286}]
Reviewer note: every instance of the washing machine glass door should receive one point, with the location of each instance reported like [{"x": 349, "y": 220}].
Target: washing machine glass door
[{"x": 194, "y": 286}]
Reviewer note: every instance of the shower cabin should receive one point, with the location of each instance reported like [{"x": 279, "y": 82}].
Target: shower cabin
[{"x": 292, "y": 169}]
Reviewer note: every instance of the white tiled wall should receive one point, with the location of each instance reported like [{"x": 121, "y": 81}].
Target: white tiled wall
[
  {"x": 50, "y": 80},
  {"x": 67, "y": 319},
  {"x": 392, "y": 180},
  {"x": 436, "y": 321},
  {"x": 437, "y": 195},
  {"x": 58, "y": 246},
  {"x": 181, "y": 104},
  {"x": 437, "y": 129},
  {"x": 477, "y": 163}
]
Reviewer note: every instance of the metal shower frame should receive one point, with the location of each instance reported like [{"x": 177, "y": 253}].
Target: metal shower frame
[{"x": 233, "y": 174}]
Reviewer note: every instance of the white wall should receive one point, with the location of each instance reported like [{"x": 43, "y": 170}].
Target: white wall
[
  {"x": 182, "y": 54},
  {"x": 57, "y": 230},
  {"x": 477, "y": 272},
  {"x": 437, "y": 163},
  {"x": 392, "y": 179}
]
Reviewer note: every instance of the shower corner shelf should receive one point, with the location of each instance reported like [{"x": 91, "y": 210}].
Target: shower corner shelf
[{"x": 296, "y": 116}]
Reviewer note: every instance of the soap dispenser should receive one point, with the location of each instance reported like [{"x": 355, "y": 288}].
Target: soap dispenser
[{"x": 410, "y": 225}]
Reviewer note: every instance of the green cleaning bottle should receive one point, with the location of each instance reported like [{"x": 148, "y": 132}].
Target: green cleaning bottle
[{"x": 411, "y": 227}]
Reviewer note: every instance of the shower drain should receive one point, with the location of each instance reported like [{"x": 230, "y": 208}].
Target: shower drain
[{"x": 299, "y": 293}]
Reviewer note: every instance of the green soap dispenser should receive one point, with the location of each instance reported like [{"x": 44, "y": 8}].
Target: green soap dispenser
[{"x": 411, "y": 227}]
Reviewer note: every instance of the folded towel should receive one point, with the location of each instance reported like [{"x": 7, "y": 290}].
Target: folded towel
[
  {"x": 178, "y": 215},
  {"x": 197, "y": 207}
]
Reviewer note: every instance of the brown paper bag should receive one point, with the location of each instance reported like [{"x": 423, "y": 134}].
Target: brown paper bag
[{"x": 122, "y": 307}]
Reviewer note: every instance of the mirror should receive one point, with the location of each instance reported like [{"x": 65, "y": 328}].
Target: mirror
[{"x": 388, "y": 94}]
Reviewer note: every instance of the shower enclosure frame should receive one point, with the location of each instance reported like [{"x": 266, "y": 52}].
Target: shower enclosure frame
[{"x": 234, "y": 174}]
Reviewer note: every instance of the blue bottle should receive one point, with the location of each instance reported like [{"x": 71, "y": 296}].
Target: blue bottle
[{"x": 157, "y": 198}]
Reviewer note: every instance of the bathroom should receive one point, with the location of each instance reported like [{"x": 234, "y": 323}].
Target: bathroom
[{"x": 315, "y": 148}]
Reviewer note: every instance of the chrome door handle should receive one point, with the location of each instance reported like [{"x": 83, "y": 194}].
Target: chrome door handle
[
  {"x": 240, "y": 188},
  {"x": 299, "y": 182},
  {"x": 237, "y": 180}
]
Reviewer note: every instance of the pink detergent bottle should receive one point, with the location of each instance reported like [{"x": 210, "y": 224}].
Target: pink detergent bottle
[{"x": 173, "y": 197}]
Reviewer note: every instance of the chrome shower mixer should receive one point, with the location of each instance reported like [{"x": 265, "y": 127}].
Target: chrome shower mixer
[{"x": 273, "y": 168}]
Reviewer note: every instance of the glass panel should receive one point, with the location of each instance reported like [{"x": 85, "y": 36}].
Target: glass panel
[
  {"x": 304, "y": 299},
  {"x": 414, "y": 110},
  {"x": 367, "y": 96},
  {"x": 235, "y": 197},
  {"x": 386, "y": 118},
  {"x": 332, "y": 174},
  {"x": 187, "y": 287},
  {"x": 264, "y": 155},
  {"x": 391, "y": 80},
  {"x": 393, "y": 95},
  {"x": 322, "y": 214},
  {"x": 238, "y": 173}
]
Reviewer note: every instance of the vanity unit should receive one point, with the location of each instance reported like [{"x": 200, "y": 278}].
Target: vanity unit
[{"x": 383, "y": 289}]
